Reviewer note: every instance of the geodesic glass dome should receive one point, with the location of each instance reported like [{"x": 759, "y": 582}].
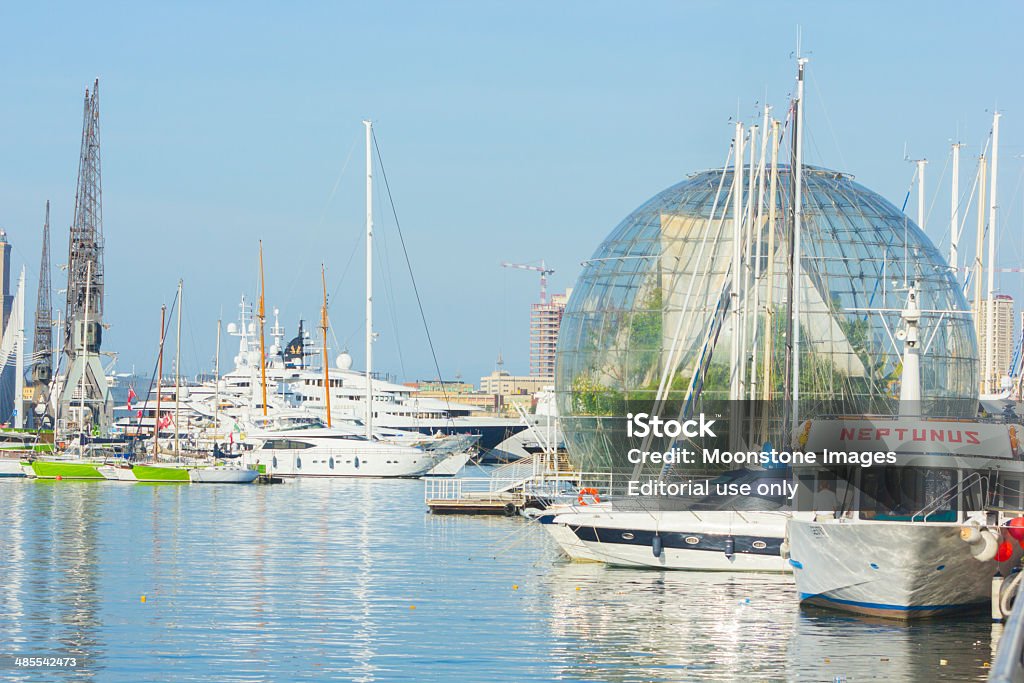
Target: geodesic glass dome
[{"x": 662, "y": 281}]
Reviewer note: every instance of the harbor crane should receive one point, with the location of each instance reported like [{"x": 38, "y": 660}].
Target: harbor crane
[{"x": 542, "y": 269}]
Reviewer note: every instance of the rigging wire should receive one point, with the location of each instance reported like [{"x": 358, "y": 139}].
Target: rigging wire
[{"x": 415, "y": 287}]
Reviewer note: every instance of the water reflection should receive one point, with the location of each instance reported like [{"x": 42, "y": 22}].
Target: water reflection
[{"x": 351, "y": 580}]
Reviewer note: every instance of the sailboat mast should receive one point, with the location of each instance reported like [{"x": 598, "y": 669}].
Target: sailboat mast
[
  {"x": 979, "y": 248},
  {"x": 85, "y": 342},
  {"x": 177, "y": 379},
  {"x": 734, "y": 295},
  {"x": 262, "y": 314},
  {"x": 798, "y": 214},
  {"x": 991, "y": 381},
  {"x": 327, "y": 365},
  {"x": 369, "y": 280},
  {"x": 954, "y": 212},
  {"x": 216, "y": 397},
  {"x": 769, "y": 312},
  {"x": 159, "y": 381}
]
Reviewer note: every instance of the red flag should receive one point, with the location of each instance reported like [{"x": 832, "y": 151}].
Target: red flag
[
  {"x": 139, "y": 414},
  {"x": 131, "y": 396}
]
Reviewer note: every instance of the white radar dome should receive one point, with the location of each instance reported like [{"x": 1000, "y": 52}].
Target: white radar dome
[
  {"x": 254, "y": 357},
  {"x": 343, "y": 361},
  {"x": 232, "y": 328},
  {"x": 252, "y": 328},
  {"x": 274, "y": 350}
]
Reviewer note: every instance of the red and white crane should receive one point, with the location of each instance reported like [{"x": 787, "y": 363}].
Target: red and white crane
[{"x": 542, "y": 269}]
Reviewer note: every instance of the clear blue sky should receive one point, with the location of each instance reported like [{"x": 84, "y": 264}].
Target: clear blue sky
[{"x": 511, "y": 130}]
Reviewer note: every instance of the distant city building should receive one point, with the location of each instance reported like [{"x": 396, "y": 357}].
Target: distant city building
[
  {"x": 503, "y": 384},
  {"x": 5, "y": 281},
  {"x": 1002, "y": 341},
  {"x": 545, "y": 320},
  {"x": 7, "y": 379}
]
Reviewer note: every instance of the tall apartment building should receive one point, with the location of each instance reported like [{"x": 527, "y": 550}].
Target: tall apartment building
[
  {"x": 1002, "y": 341},
  {"x": 545, "y": 320}
]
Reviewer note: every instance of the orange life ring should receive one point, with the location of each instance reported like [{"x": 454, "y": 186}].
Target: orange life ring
[{"x": 588, "y": 492}]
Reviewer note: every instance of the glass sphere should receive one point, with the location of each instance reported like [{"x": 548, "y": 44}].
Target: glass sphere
[{"x": 655, "y": 306}]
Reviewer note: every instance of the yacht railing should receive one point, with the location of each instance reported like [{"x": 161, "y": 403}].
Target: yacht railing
[
  {"x": 950, "y": 494},
  {"x": 534, "y": 486},
  {"x": 1008, "y": 666}
]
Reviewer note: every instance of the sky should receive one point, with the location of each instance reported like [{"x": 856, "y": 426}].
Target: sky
[{"x": 509, "y": 131}]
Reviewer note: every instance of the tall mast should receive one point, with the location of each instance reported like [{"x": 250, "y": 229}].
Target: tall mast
[
  {"x": 769, "y": 309},
  {"x": 177, "y": 378},
  {"x": 734, "y": 295},
  {"x": 369, "y": 280},
  {"x": 798, "y": 214},
  {"x": 327, "y": 365},
  {"x": 990, "y": 319},
  {"x": 979, "y": 248},
  {"x": 216, "y": 398},
  {"x": 85, "y": 328},
  {"x": 159, "y": 381},
  {"x": 954, "y": 212},
  {"x": 262, "y": 315},
  {"x": 920, "y": 192}
]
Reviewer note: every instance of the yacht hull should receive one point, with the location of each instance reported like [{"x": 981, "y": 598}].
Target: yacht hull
[
  {"x": 379, "y": 463},
  {"x": 709, "y": 541},
  {"x": 222, "y": 475},
  {"x": 889, "y": 569}
]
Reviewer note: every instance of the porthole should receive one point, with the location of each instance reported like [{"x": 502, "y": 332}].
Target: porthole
[
  {"x": 628, "y": 536},
  {"x": 357, "y": 463},
  {"x": 692, "y": 540},
  {"x": 330, "y": 463},
  {"x": 759, "y": 545}
]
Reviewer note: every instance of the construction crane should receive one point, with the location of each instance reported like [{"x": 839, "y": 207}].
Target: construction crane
[
  {"x": 542, "y": 269},
  {"x": 42, "y": 343},
  {"x": 85, "y": 395}
]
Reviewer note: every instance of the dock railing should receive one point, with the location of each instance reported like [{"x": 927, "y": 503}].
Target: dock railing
[{"x": 1008, "y": 666}]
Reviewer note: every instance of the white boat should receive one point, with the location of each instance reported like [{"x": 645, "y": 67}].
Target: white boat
[
  {"x": 331, "y": 453},
  {"x": 222, "y": 474},
  {"x": 716, "y": 540}
]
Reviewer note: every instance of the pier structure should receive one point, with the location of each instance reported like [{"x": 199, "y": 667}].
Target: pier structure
[{"x": 85, "y": 401}]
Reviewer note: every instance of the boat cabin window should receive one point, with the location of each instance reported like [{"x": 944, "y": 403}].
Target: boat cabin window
[
  {"x": 906, "y": 494},
  {"x": 285, "y": 445},
  {"x": 1009, "y": 491}
]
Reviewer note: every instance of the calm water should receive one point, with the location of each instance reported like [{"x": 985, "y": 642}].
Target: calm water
[{"x": 317, "y": 580}]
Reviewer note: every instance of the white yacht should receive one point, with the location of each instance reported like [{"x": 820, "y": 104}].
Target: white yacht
[
  {"x": 319, "y": 452},
  {"x": 710, "y": 535},
  {"x": 923, "y": 537}
]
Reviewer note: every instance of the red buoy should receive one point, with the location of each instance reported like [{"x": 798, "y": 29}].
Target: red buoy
[
  {"x": 1015, "y": 527},
  {"x": 1004, "y": 551},
  {"x": 58, "y": 477}
]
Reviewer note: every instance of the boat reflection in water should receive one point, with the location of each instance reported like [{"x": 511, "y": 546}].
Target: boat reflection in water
[
  {"x": 615, "y": 625},
  {"x": 51, "y": 578}
]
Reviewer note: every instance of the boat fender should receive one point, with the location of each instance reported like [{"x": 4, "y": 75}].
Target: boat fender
[
  {"x": 730, "y": 547},
  {"x": 656, "y": 545},
  {"x": 510, "y": 509},
  {"x": 970, "y": 534},
  {"x": 784, "y": 549},
  {"x": 984, "y": 546}
]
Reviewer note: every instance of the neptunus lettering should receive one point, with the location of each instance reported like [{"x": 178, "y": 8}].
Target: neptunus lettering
[{"x": 642, "y": 424}]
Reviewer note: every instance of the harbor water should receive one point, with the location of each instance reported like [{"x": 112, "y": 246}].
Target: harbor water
[{"x": 352, "y": 580}]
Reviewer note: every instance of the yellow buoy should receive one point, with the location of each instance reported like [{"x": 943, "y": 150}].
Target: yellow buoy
[
  {"x": 515, "y": 586},
  {"x": 412, "y": 606},
  {"x": 142, "y": 599}
]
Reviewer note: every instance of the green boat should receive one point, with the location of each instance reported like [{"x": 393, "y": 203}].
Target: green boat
[{"x": 64, "y": 469}]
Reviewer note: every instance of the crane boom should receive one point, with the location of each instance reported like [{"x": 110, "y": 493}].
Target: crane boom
[{"x": 542, "y": 269}]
